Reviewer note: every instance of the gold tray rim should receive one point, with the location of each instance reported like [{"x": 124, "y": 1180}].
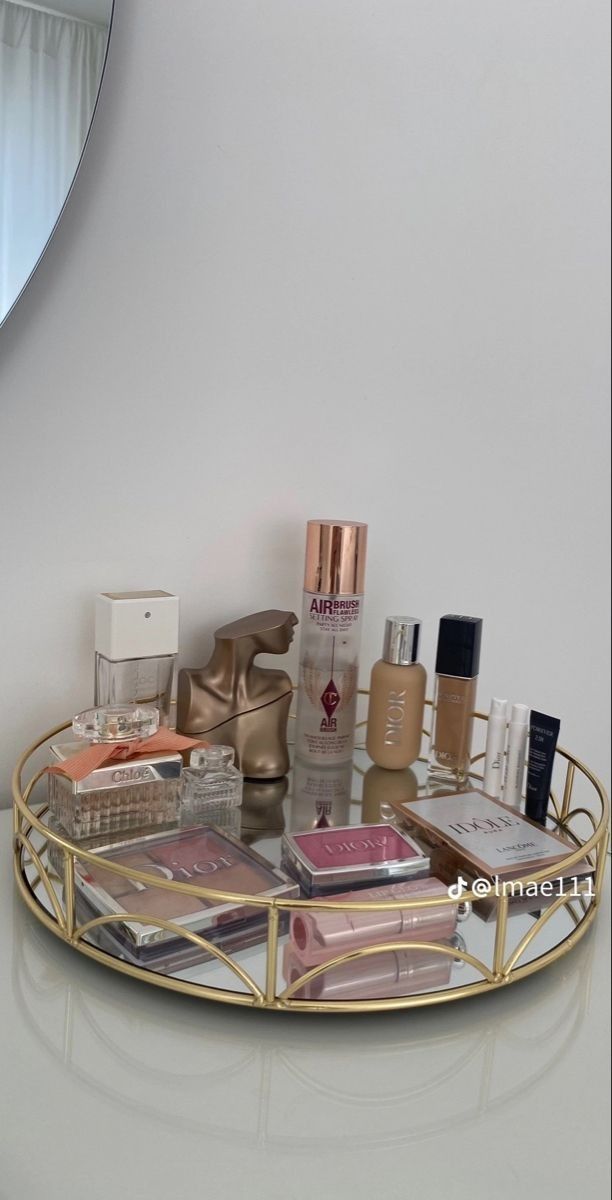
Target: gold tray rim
[{"x": 504, "y": 970}]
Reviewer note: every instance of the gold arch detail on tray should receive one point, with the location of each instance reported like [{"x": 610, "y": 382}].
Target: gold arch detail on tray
[
  {"x": 31, "y": 871},
  {"x": 517, "y": 953},
  {"x": 24, "y": 842},
  {"x": 172, "y": 927},
  {"x": 453, "y": 952}
]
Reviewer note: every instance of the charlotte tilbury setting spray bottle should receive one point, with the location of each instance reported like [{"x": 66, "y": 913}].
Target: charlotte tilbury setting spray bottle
[
  {"x": 397, "y": 697},
  {"x": 457, "y": 666},
  {"x": 330, "y": 637}
]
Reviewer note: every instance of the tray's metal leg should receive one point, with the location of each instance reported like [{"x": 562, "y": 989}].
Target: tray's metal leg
[{"x": 272, "y": 953}]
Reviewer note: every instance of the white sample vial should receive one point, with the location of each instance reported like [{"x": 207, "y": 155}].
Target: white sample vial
[
  {"x": 495, "y": 748},
  {"x": 515, "y": 755}
]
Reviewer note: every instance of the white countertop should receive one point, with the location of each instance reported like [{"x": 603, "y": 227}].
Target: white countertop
[{"x": 110, "y": 1087}]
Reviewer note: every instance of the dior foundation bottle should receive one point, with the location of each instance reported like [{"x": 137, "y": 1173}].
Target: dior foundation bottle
[
  {"x": 136, "y": 648},
  {"x": 457, "y": 666},
  {"x": 397, "y": 697}
]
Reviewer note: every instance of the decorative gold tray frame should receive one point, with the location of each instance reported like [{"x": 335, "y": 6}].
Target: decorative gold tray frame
[{"x": 61, "y": 917}]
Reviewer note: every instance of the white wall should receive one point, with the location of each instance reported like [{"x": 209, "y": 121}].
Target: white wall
[{"x": 332, "y": 258}]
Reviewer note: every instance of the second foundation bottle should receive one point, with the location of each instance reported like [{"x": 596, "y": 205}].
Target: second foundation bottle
[
  {"x": 457, "y": 666},
  {"x": 397, "y": 697}
]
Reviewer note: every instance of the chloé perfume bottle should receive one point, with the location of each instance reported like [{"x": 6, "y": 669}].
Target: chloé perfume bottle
[
  {"x": 211, "y": 789},
  {"x": 122, "y": 793},
  {"x": 457, "y": 666},
  {"x": 136, "y": 648},
  {"x": 330, "y": 638}
]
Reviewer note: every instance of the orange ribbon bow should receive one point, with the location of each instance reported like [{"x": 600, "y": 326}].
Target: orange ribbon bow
[{"x": 100, "y": 754}]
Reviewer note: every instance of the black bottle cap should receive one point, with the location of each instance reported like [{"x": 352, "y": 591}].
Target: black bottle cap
[{"x": 459, "y": 641}]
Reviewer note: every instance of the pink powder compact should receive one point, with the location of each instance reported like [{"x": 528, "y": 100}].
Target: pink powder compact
[{"x": 351, "y": 856}]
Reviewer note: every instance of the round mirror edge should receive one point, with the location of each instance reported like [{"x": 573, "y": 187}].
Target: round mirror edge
[{"x": 38, "y": 261}]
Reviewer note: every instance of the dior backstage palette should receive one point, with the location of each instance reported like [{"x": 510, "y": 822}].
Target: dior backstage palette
[{"x": 204, "y": 857}]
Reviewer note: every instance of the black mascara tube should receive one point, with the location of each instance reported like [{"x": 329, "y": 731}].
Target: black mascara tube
[{"x": 543, "y": 734}]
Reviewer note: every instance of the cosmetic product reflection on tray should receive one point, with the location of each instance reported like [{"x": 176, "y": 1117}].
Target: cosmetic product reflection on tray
[
  {"x": 381, "y": 788},
  {"x": 263, "y": 809},
  {"x": 383, "y": 975},
  {"x": 204, "y": 857},
  {"x": 321, "y": 795}
]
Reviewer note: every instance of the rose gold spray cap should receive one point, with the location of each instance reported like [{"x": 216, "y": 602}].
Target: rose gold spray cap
[{"x": 335, "y": 557}]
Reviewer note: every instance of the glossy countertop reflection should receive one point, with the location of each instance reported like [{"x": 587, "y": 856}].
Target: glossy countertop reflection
[{"x": 114, "y": 1088}]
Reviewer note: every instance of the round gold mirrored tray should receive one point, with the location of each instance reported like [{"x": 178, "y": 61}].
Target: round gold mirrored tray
[{"x": 492, "y": 947}]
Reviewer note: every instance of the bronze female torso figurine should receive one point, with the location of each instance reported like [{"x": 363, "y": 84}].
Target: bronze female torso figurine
[{"x": 233, "y": 702}]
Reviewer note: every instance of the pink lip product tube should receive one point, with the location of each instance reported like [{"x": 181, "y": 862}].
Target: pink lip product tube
[
  {"x": 319, "y": 935},
  {"x": 379, "y": 976},
  {"x": 349, "y": 856}
]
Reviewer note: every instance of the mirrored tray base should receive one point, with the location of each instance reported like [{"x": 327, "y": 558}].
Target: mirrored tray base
[{"x": 489, "y": 950}]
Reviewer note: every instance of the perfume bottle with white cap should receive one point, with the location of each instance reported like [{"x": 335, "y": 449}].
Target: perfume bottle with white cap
[{"x": 136, "y": 648}]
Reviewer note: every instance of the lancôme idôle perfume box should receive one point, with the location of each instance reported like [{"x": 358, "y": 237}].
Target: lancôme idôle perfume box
[{"x": 486, "y": 839}]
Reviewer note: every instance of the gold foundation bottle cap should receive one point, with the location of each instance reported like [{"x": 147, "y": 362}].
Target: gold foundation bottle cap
[
  {"x": 401, "y": 641},
  {"x": 335, "y": 557}
]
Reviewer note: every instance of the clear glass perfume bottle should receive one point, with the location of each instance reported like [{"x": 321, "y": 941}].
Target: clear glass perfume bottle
[
  {"x": 119, "y": 795},
  {"x": 136, "y": 680},
  {"x": 211, "y": 789},
  {"x": 136, "y": 638}
]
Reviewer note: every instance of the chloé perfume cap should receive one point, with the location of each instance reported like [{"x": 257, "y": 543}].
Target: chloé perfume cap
[
  {"x": 459, "y": 641},
  {"x": 116, "y": 723},
  {"x": 136, "y": 625},
  {"x": 335, "y": 557},
  {"x": 401, "y": 641}
]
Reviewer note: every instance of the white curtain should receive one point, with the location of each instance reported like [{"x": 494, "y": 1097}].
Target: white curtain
[{"x": 50, "y": 68}]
